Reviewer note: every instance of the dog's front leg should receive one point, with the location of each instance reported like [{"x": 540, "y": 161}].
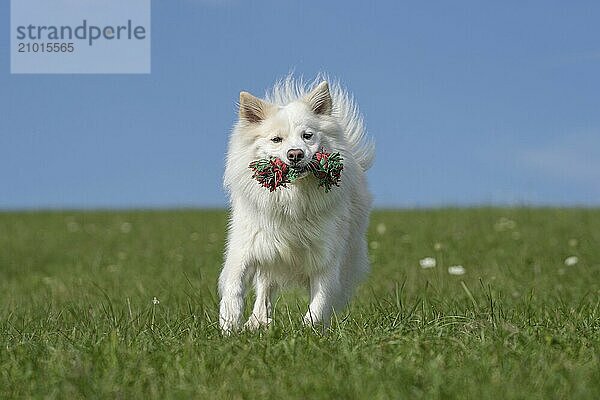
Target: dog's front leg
[
  {"x": 324, "y": 290},
  {"x": 263, "y": 307},
  {"x": 232, "y": 287}
]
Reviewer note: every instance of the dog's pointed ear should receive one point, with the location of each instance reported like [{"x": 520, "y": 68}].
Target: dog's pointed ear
[
  {"x": 319, "y": 99},
  {"x": 252, "y": 109}
]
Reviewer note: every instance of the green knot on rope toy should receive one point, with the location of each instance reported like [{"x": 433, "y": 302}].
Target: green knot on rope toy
[{"x": 272, "y": 172}]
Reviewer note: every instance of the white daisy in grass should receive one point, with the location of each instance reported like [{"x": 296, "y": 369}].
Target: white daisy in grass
[
  {"x": 571, "y": 260},
  {"x": 381, "y": 228},
  {"x": 505, "y": 224},
  {"x": 456, "y": 270},
  {"x": 126, "y": 227},
  {"x": 72, "y": 226},
  {"x": 427, "y": 262},
  {"x": 213, "y": 237}
]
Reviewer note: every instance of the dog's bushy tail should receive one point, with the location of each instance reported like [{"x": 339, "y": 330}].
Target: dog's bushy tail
[{"x": 344, "y": 109}]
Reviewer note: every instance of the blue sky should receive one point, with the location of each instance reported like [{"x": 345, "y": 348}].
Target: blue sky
[{"x": 469, "y": 103}]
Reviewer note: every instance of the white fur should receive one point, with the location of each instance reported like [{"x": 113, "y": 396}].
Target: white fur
[{"x": 299, "y": 234}]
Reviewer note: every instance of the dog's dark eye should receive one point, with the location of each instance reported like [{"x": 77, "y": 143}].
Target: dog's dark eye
[
  {"x": 276, "y": 139},
  {"x": 307, "y": 135}
]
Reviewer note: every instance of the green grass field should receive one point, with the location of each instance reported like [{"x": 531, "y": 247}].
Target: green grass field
[{"x": 77, "y": 318}]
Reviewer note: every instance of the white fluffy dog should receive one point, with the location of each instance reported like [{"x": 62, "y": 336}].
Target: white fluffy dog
[{"x": 299, "y": 234}]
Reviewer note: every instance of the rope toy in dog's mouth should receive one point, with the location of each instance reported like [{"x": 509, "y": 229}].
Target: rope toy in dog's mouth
[{"x": 272, "y": 172}]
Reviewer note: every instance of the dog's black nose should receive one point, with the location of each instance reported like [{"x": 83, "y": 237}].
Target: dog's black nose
[{"x": 295, "y": 155}]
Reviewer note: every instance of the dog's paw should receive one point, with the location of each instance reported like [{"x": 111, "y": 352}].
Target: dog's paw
[
  {"x": 310, "y": 319},
  {"x": 229, "y": 322},
  {"x": 230, "y": 314},
  {"x": 315, "y": 322},
  {"x": 228, "y": 326},
  {"x": 254, "y": 323}
]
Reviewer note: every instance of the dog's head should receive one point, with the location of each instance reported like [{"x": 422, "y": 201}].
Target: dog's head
[{"x": 293, "y": 132}]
